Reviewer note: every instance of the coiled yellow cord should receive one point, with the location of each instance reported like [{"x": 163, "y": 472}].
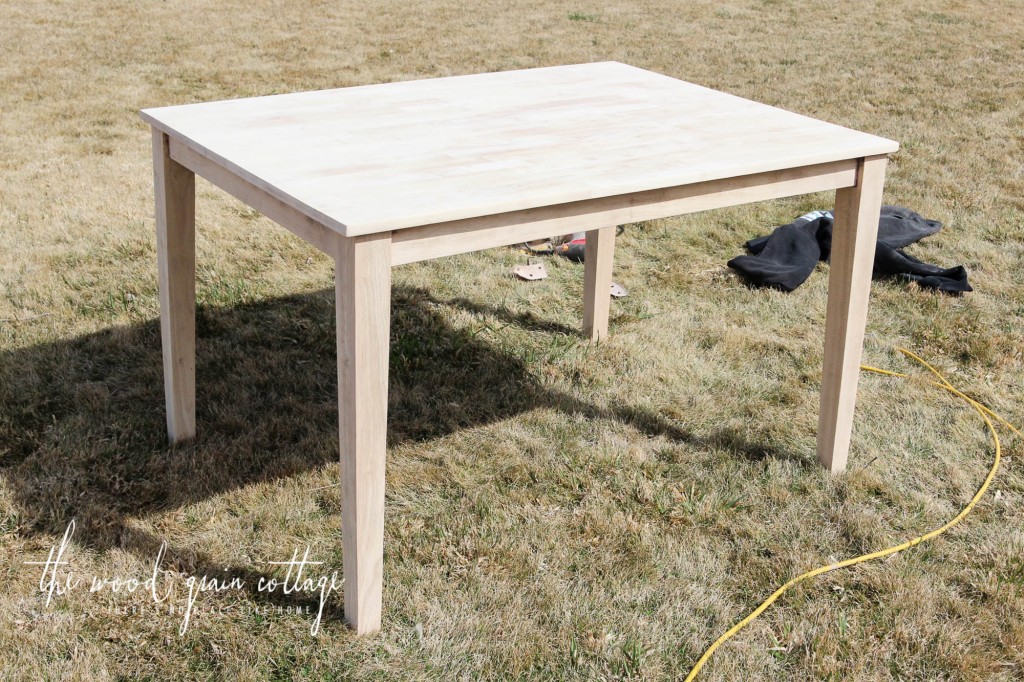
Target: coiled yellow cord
[{"x": 941, "y": 383}]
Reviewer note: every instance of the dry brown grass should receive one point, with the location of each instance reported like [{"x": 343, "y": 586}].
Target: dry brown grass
[{"x": 555, "y": 510}]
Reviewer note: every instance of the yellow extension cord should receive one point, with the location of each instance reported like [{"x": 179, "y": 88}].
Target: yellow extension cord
[{"x": 941, "y": 383}]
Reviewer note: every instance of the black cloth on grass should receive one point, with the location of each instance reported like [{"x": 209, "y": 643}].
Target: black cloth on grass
[{"x": 785, "y": 258}]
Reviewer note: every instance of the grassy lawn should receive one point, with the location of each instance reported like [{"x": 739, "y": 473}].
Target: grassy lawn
[{"x": 555, "y": 510}]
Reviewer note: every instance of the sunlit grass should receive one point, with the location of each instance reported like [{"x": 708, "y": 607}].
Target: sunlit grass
[{"x": 555, "y": 510}]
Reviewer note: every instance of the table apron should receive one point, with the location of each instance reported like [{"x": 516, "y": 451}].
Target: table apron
[
  {"x": 289, "y": 217},
  {"x": 473, "y": 234}
]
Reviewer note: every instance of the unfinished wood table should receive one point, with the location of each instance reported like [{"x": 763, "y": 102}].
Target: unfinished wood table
[{"x": 382, "y": 175}]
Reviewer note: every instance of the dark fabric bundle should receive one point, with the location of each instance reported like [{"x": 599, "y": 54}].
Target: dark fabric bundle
[{"x": 785, "y": 258}]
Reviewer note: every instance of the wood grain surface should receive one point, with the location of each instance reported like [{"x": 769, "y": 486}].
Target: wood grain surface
[{"x": 392, "y": 156}]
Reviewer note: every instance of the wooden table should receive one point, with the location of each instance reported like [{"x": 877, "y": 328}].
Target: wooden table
[{"x": 381, "y": 175}]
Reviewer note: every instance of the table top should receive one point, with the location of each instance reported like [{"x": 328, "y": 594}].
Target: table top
[{"x": 397, "y": 155}]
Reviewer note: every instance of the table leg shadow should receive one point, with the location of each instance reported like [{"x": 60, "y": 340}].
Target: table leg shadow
[{"x": 83, "y": 434}]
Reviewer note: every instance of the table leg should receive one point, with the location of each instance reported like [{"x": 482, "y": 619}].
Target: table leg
[
  {"x": 597, "y": 282},
  {"x": 363, "y": 305},
  {"x": 175, "y": 189},
  {"x": 853, "y": 251}
]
